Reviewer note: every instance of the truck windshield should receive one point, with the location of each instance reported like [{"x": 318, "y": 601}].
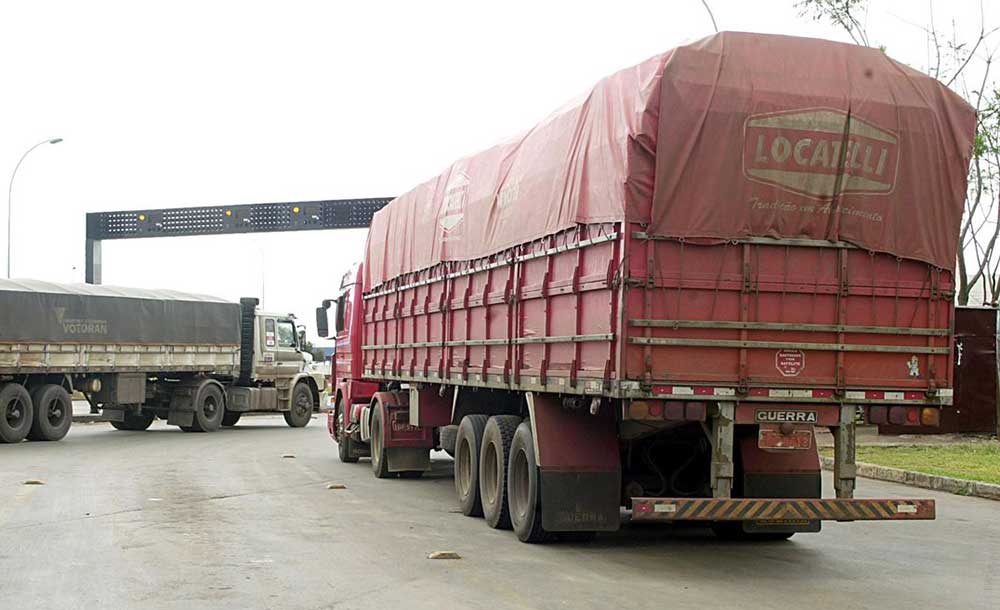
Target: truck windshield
[{"x": 286, "y": 334}]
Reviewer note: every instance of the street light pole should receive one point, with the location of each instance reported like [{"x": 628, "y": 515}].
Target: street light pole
[{"x": 10, "y": 196}]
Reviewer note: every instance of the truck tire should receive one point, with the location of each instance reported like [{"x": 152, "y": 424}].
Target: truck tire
[
  {"x": 380, "y": 458},
  {"x": 230, "y": 418},
  {"x": 301, "y": 408},
  {"x": 16, "y": 413},
  {"x": 53, "y": 413},
  {"x": 524, "y": 493},
  {"x": 447, "y": 436},
  {"x": 493, "y": 459},
  {"x": 345, "y": 444},
  {"x": 468, "y": 446},
  {"x": 135, "y": 422},
  {"x": 209, "y": 408}
]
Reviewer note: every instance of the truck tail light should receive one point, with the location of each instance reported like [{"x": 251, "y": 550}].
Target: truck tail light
[
  {"x": 912, "y": 417},
  {"x": 897, "y": 415},
  {"x": 930, "y": 416},
  {"x": 638, "y": 410},
  {"x": 878, "y": 415},
  {"x": 695, "y": 411},
  {"x": 670, "y": 410}
]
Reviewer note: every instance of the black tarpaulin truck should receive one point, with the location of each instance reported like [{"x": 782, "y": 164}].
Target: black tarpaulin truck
[{"x": 196, "y": 361}]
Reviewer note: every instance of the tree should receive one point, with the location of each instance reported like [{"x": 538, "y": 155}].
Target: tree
[
  {"x": 841, "y": 13},
  {"x": 954, "y": 62},
  {"x": 317, "y": 352}
]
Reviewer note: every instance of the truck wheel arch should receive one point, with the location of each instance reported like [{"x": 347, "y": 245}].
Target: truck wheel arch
[
  {"x": 310, "y": 383},
  {"x": 377, "y": 402},
  {"x": 184, "y": 400},
  {"x": 207, "y": 382}
]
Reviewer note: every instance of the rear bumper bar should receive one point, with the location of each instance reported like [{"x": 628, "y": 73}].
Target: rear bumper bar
[{"x": 766, "y": 509}]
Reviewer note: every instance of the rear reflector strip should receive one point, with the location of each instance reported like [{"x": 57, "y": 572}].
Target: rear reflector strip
[
  {"x": 751, "y": 509},
  {"x": 678, "y": 390},
  {"x": 825, "y": 393}
]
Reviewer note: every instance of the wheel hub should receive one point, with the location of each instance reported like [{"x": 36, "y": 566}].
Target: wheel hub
[
  {"x": 14, "y": 413},
  {"x": 54, "y": 411},
  {"x": 303, "y": 404},
  {"x": 210, "y": 407}
]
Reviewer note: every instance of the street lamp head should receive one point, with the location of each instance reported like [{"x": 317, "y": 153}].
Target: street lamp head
[{"x": 55, "y": 140}]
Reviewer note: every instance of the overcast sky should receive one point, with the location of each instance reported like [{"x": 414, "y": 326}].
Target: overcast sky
[{"x": 174, "y": 104}]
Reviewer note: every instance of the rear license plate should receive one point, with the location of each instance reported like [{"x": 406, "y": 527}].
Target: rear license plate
[{"x": 770, "y": 437}]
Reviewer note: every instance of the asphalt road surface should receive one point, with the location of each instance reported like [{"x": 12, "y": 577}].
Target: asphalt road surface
[{"x": 164, "y": 519}]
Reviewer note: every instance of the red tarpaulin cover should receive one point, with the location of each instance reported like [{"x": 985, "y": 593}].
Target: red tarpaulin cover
[{"x": 736, "y": 135}]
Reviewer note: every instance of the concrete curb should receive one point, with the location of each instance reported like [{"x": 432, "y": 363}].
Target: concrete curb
[{"x": 960, "y": 487}]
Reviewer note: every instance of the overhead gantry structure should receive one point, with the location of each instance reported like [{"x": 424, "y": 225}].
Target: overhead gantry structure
[{"x": 224, "y": 220}]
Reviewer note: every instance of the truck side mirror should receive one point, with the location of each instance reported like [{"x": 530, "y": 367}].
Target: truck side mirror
[
  {"x": 341, "y": 322},
  {"x": 322, "y": 323}
]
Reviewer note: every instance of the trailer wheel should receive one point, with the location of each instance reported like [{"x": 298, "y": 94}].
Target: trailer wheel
[
  {"x": 345, "y": 448},
  {"x": 209, "y": 409},
  {"x": 380, "y": 458},
  {"x": 524, "y": 487},
  {"x": 493, "y": 462},
  {"x": 230, "y": 418},
  {"x": 468, "y": 446},
  {"x": 302, "y": 406},
  {"x": 16, "y": 413},
  {"x": 135, "y": 423},
  {"x": 53, "y": 413}
]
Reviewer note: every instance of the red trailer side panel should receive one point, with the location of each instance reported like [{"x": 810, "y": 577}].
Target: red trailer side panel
[{"x": 541, "y": 316}]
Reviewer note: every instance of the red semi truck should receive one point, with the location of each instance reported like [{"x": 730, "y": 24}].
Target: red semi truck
[{"x": 650, "y": 299}]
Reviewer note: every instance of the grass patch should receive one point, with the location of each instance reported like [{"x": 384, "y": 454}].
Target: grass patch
[{"x": 972, "y": 461}]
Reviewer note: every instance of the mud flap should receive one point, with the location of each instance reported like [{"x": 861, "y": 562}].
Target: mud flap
[
  {"x": 579, "y": 466},
  {"x": 180, "y": 418},
  {"x": 578, "y": 501},
  {"x": 182, "y": 406},
  {"x": 779, "y": 474},
  {"x": 404, "y": 459}
]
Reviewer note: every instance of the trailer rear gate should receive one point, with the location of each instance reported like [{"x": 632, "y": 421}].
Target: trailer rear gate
[{"x": 762, "y": 314}]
